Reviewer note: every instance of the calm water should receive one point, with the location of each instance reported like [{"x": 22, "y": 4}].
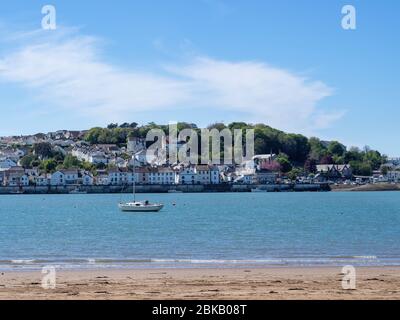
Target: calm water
[{"x": 225, "y": 229}]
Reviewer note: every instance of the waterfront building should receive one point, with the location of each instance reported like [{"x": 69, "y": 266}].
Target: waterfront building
[
  {"x": 42, "y": 180},
  {"x": 187, "y": 175},
  {"x": 335, "y": 171},
  {"x": 162, "y": 175},
  {"x": 15, "y": 177},
  {"x": 87, "y": 179},
  {"x": 102, "y": 180},
  {"x": 393, "y": 176},
  {"x": 142, "y": 175},
  {"x": 57, "y": 179},
  {"x": 203, "y": 174},
  {"x": 215, "y": 177},
  {"x": 114, "y": 177},
  {"x": 71, "y": 176},
  {"x": 126, "y": 176}
]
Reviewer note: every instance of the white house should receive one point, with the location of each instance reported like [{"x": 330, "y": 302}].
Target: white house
[
  {"x": 57, "y": 179},
  {"x": 187, "y": 175},
  {"x": 97, "y": 157},
  {"x": 102, "y": 180},
  {"x": 70, "y": 176},
  {"x": 89, "y": 155},
  {"x": 162, "y": 175},
  {"x": 198, "y": 174},
  {"x": 42, "y": 180},
  {"x": 203, "y": 174},
  {"x": 80, "y": 153},
  {"x": 6, "y": 163},
  {"x": 126, "y": 176},
  {"x": 393, "y": 176},
  {"x": 214, "y": 175},
  {"x": 115, "y": 177},
  {"x": 87, "y": 179}
]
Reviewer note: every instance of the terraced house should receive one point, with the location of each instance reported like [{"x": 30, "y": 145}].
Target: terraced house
[
  {"x": 15, "y": 177},
  {"x": 162, "y": 175}
]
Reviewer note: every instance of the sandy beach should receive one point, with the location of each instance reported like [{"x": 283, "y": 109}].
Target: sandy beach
[{"x": 259, "y": 283}]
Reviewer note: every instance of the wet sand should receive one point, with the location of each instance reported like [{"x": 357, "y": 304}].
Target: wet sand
[{"x": 259, "y": 283}]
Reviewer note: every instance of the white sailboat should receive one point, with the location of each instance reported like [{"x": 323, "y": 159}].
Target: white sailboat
[{"x": 139, "y": 206}]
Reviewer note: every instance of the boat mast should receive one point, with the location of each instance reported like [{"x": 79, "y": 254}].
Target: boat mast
[{"x": 134, "y": 179}]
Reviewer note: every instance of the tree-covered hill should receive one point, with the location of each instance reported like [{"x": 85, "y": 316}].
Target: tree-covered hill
[{"x": 294, "y": 150}]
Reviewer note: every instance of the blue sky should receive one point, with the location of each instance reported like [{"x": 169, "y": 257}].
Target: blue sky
[{"x": 285, "y": 63}]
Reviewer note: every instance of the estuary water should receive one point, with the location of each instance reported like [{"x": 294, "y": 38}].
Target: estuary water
[{"x": 201, "y": 230}]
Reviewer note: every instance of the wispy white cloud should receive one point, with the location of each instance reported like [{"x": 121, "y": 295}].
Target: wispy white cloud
[
  {"x": 264, "y": 93},
  {"x": 70, "y": 73}
]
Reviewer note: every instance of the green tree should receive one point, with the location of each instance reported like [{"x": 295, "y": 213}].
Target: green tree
[
  {"x": 317, "y": 149},
  {"x": 92, "y": 136},
  {"x": 218, "y": 125},
  {"x": 88, "y": 166},
  {"x": 43, "y": 150},
  {"x": 27, "y": 160},
  {"x": 48, "y": 165},
  {"x": 338, "y": 159},
  {"x": 238, "y": 125},
  {"x": 284, "y": 162},
  {"x": 361, "y": 168},
  {"x": 374, "y": 158},
  {"x": 310, "y": 165},
  {"x": 294, "y": 173},
  {"x": 35, "y": 163},
  {"x": 112, "y": 126},
  {"x": 71, "y": 162},
  {"x": 336, "y": 149}
]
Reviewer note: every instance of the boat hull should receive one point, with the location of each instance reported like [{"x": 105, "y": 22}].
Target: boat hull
[{"x": 140, "y": 208}]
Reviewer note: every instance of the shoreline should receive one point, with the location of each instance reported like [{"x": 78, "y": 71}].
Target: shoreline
[
  {"x": 213, "y": 283},
  {"x": 154, "y": 188},
  {"x": 378, "y": 187},
  {"x": 95, "y": 264},
  {"x": 221, "y": 188},
  {"x": 13, "y": 268}
]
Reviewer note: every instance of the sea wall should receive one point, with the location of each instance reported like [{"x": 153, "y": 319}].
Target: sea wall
[{"x": 163, "y": 188}]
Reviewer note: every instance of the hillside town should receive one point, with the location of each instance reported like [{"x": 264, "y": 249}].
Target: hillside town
[{"x": 23, "y": 163}]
